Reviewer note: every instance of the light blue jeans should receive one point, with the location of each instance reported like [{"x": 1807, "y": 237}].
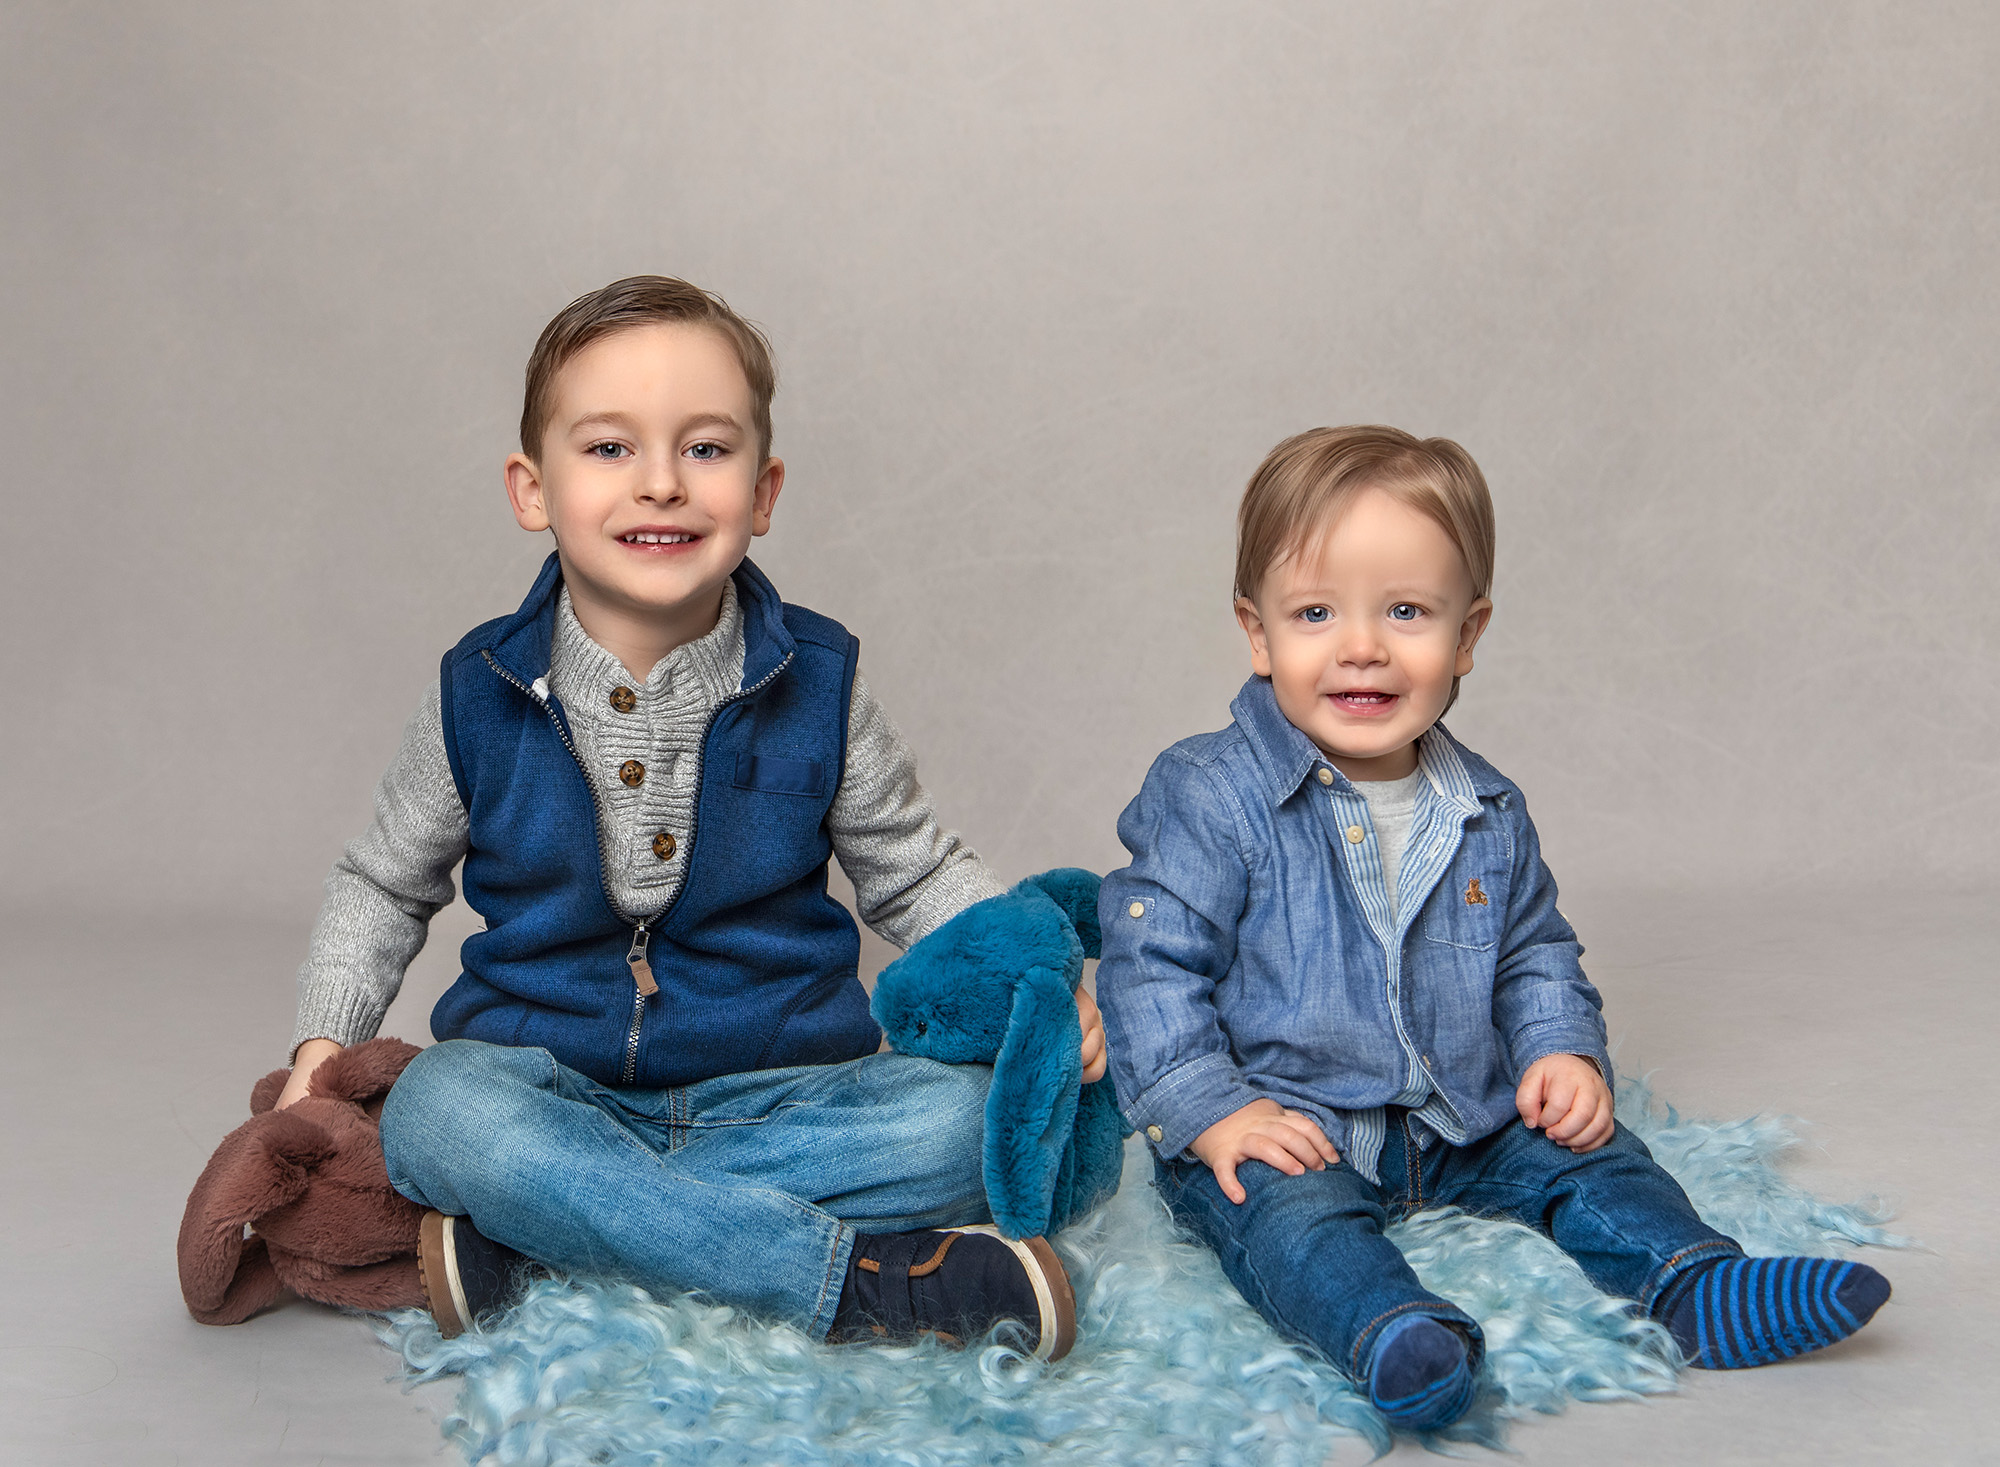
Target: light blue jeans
[{"x": 748, "y": 1188}]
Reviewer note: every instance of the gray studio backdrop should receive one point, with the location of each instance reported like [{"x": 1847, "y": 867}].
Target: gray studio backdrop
[{"x": 1708, "y": 289}]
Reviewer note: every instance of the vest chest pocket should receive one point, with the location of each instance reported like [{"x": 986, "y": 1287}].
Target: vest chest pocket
[
  {"x": 777, "y": 775},
  {"x": 1468, "y": 909}
]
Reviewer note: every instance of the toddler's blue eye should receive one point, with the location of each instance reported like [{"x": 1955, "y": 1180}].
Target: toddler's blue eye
[
  {"x": 1403, "y": 611},
  {"x": 705, "y": 451},
  {"x": 606, "y": 450},
  {"x": 1315, "y": 615}
]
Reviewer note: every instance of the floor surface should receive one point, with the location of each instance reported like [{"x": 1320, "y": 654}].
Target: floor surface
[{"x": 130, "y": 1048}]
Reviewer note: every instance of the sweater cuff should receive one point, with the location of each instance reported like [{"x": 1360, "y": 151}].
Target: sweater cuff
[
  {"x": 346, "y": 1016},
  {"x": 1184, "y": 1102}
]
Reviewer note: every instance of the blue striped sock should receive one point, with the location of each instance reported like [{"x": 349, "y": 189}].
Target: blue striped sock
[
  {"x": 1739, "y": 1312},
  {"x": 1420, "y": 1374}
]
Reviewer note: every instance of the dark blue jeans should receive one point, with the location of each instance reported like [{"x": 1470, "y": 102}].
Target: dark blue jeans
[{"x": 1309, "y": 1252}]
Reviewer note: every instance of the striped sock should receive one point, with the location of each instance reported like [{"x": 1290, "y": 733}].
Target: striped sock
[
  {"x": 1420, "y": 1376},
  {"x": 1739, "y": 1312}
]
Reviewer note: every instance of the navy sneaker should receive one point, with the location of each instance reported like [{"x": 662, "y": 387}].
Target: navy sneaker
[
  {"x": 956, "y": 1284},
  {"x": 466, "y": 1274}
]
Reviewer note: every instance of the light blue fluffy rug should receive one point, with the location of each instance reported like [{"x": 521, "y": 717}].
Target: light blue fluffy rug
[{"x": 1170, "y": 1365}]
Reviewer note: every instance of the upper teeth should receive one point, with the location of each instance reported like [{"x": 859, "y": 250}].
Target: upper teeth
[{"x": 647, "y": 537}]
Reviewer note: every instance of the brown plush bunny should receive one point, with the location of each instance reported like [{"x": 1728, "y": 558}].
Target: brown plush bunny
[{"x": 299, "y": 1198}]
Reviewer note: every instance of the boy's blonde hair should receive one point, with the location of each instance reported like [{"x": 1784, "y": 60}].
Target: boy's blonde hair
[
  {"x": 1304, "y": 484},
  {"x": 643, "y": 300}
]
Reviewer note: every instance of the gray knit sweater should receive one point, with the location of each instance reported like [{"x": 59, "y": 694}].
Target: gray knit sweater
[{"x": 909, "y": 875}]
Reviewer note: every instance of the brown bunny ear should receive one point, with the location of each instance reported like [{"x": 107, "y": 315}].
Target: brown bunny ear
[
  {"x": 264, "y": 1094},
  {"x": 362, "y": 1071},
  {"x": 260, "y": 1165}
]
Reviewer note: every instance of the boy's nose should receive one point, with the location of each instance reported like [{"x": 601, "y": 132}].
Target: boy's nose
[
  {"x": 661, "y": 486},
  {"x": 1360, "y": 647}
]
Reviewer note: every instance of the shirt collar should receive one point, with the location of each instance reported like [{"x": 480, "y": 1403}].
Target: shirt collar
[{"x": 1288, "y": 758}]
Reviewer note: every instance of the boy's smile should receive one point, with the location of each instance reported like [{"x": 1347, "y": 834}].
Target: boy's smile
[
  {"x": 1361, "y": 632},
  {"x": 651, "y": 477}
]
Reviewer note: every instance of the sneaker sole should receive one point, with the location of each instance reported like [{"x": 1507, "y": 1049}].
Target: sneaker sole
[
  {"x": 1053, "y": 1295},
  {"x": 437, "y": 1267}
]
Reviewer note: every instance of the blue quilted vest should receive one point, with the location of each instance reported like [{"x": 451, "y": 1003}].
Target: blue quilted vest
[{"x": 755, "y": 963}]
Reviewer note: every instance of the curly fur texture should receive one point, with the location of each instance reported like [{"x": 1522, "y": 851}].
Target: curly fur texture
[
  {"x": 1170, "y": 1366},
  {"x": 994, "y": 984}
]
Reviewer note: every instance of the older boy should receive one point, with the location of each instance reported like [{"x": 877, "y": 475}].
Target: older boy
[
  {"x": 1334, "y": 972},
  {"x": 658, "y": 1062}
]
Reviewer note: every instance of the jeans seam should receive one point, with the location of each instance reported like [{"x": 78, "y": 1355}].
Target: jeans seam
[{"x": 1669, "y": 1272}]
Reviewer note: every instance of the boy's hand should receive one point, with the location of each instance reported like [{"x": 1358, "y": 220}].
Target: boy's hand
[
  {"x": 1565, "y": 1096},
  {"x": 1092, "y": 1050},
  {"x": 1262, "y": 1131},
  {"x": 312, "y": 1054}
]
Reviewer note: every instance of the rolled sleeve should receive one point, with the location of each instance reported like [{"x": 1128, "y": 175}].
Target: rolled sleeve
[
  {"x": 1542, "y": 1002},
  {"x": 1169, "y": 921}
]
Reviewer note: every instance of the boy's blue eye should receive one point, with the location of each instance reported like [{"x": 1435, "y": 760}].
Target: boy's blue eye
[
  {"x": 1403, "y": 611},
  {"x": 704, "y": 451},
  {"x": 1315, "y": 615},
  {"x": 607, "y": 450}
]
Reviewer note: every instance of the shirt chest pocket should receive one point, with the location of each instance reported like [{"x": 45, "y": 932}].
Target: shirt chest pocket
[{"x": 1468, "y": 908}]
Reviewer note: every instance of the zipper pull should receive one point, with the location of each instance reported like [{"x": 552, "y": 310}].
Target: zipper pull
[{"x": 641, "y": 973}]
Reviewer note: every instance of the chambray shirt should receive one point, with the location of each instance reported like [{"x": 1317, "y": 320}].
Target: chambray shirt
[{"x": 1250, "y": 948}]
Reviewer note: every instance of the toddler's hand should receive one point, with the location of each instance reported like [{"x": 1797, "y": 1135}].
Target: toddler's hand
[
  {"x": 1262, "y": 1131},
  {"x": 312, "y": 1054},
  {"x": 1565, "y": 1096},
  {"x": 1092, "y": 1049}
]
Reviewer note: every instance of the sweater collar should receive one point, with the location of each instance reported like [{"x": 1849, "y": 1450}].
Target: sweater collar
[{"x": 523, "y": 643}]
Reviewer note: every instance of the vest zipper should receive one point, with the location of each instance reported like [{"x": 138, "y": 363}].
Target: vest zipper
[{"x": 644, "y": 984}]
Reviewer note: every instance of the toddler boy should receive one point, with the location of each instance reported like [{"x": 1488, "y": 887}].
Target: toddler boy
[
  {"x": 1334, "y": 973},
  {"x": 658, "y": 1062}
]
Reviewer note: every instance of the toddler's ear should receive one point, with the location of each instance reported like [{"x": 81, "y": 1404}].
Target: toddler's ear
[
  {"x": 1469, "y": 633},
  {"x": 1253, "y": 628}
]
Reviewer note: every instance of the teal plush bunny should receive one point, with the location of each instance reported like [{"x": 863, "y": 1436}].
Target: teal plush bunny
[{"x": 994, "y": 985}]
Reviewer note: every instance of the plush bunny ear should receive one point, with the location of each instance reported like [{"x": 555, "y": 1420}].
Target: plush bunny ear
[
  {"x": 361, "y": 1072},
  {"x": 261, "y": 1165},
  {"x": 1075, "y": 891},
  {"x": 1031, "y": 1108}
]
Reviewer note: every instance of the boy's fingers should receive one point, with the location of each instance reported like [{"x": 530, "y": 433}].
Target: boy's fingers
[
  {"x": 1093, "y": 1055},
  {"x": 1273, "y": 1150},
  {"x": 1303, "y": 1122},
  {"x": 1528, "y": 1098},
  {"x": 1298, "y": 1145},
  {"x": 1225, "y": 1178}
]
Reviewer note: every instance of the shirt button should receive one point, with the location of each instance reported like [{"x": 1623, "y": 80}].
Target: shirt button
[
  {"x": 1137, "y": 909},
  {"x": 1355, "y": 834},
  {"x": 663, "y": 846},
  {"x": 632, "y": 772},
  {"x": 1325, "y": 775},
  {"x": 1154, "y": 1134},
  {"x": 624, "y": 699}
]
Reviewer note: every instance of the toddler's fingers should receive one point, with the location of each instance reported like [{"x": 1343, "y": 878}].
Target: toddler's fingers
[
  {"x": 1276, "y": 1148},
  {"x": 1528, "y": 1098},
  {"x": 1309, "y": 1128},
  {"x": 1296, "y": 1144},
  {"x": 1093, "y": 1055},
  {"x": 1225, "y": 1178}
]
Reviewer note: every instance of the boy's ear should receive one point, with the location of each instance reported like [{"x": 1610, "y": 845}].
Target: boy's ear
[
  {"x": 1469, "y": 633},
  {"x": 765, "y": 495},
  {"x": 1253, "y": 628},
  {"x": 524, "y": 492}
]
